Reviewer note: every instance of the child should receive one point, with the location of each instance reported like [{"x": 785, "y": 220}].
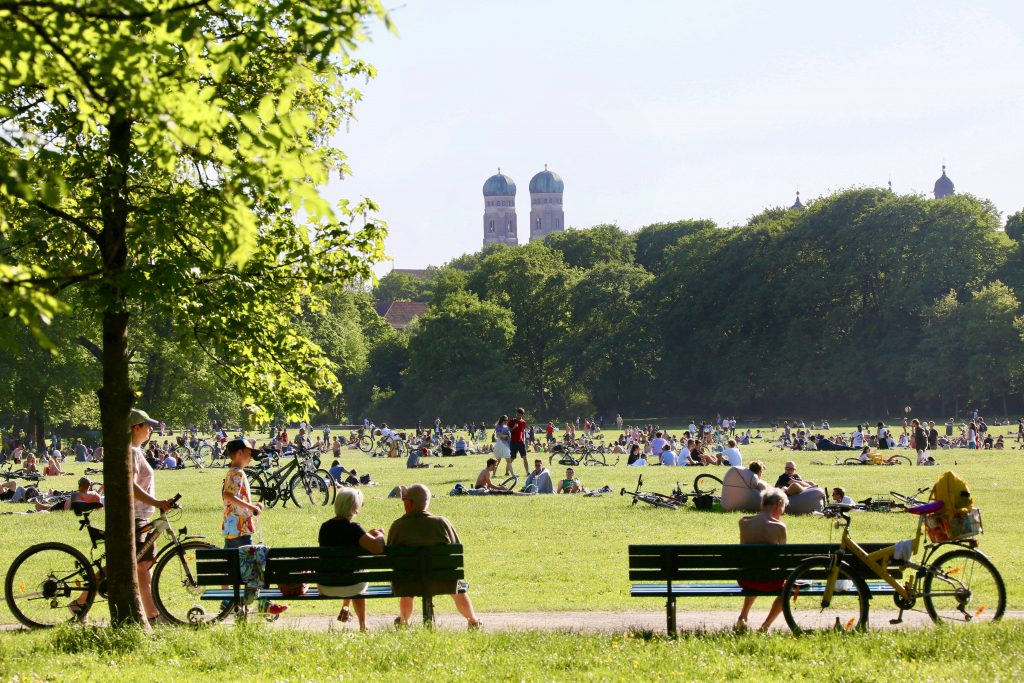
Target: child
[{"x": 239, "y": 510}]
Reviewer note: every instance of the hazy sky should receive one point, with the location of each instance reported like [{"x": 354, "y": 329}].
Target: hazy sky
[{"x": 657, "y": 111}]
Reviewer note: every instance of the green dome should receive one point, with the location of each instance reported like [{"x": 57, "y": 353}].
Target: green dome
[
  {"x": 546, "y": 182},
  {"x": 499, "y": 185}
]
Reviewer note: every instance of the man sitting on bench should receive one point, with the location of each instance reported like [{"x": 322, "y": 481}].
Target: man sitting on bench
[
  {"x": 417, "y": 527},
  {"x": 765, "y": 527}
]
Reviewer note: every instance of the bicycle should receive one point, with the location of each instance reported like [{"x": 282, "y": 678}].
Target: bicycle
[
  {"x": 958, "y": 586},
  {"x": 53, "y": 583},
  {"x": 299, "y": 480},
  {"x": 658, "y": 500}
]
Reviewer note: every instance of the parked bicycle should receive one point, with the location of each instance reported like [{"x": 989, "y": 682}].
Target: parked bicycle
[
  {"x": 960, "y": 586},
  {"x": 53, "y": 583},
  {"x": 299, "y": 480}
]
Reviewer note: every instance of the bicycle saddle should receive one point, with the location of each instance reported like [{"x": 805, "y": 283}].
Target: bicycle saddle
[{"x": 927, "y": 508}]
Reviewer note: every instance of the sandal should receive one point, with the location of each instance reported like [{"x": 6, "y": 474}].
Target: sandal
[
  {"x": 399, "y": 623},
  {"x": 344, "y": 614},
  {"x": 475, "y": 625}
]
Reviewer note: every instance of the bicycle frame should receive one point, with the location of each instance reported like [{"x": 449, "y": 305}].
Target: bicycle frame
[{"x": 878, "y": 562}]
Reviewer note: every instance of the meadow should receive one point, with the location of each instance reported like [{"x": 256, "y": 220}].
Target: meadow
[{"x": 555, "y": 553}]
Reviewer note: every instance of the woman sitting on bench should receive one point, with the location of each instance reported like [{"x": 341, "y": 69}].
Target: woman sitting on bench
[{"x": 341, "y": 531}]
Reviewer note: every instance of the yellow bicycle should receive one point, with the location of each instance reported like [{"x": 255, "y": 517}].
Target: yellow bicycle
[{"x": 959, "y": 586}]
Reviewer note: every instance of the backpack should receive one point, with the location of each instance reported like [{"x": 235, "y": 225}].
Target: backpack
[{"x": 952, "y": 490}]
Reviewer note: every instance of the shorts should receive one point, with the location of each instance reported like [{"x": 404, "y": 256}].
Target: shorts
[
  {"x": 773, "y": 586},
  {"x": 238, "y": 541},
  {"x": 140, "y": 540},
  {"x": 351, "y": 591},
  {"x": 518, "y": 448}
]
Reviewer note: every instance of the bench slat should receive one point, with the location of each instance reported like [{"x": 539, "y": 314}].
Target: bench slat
[{"x": 727, "y": 590}]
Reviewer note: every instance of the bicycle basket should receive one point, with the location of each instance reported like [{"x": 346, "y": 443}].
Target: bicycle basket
[{"x": 941, "y": 528}]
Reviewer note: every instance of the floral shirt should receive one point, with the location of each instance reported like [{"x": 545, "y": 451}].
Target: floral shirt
[{"x": 237, "y": 519}]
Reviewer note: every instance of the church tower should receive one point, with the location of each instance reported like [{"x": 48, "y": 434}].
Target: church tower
[
  {"x": 944, "y": 186},
  {"x": 546, "y": 215},
  {"x": 500, "y": 211}
]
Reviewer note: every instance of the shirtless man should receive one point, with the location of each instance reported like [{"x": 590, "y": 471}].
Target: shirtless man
[
  {"x": 765, "y": 527},
  {"x": 483, "y": 480}
]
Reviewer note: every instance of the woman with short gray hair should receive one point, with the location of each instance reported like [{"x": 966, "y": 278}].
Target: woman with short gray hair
[{"x": 341, "y": 531}]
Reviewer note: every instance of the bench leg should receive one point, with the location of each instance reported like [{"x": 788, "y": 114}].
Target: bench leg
[
  {"x": 670, "y": 614},
  {"x": 428, "y": 610}
]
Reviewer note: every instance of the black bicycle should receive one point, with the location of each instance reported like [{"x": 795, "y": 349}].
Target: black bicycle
[
  {"x": 53, "y": 583},
  {"x": 299, "y": 481}
]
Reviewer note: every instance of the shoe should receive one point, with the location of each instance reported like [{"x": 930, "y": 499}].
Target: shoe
[
  {"x": 399, "y": 623},
  {"x": 344, "y": 614},
  {"x": 272, "y": 608}
]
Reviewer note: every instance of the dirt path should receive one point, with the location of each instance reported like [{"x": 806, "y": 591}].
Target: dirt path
[
  {"x": 596, "y": 622},
  {"x": 581, "y": 622}
]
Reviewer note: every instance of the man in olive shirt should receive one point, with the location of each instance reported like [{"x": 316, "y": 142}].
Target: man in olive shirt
[{"x": 417, "y": 527}]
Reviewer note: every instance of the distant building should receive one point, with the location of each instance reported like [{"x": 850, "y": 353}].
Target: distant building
[
  {"x": 546, "y": 214},
  {"x": 500, "y": 211},
  {"x": 797, "y": 204},
  {"x": 400, "y": 314},
  {"x": 944, "y": 186}
]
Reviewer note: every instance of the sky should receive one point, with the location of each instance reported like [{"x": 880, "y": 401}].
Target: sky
[{"x": 656, "y": 111}]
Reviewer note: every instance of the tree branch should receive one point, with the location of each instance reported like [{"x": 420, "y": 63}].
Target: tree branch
[
  {"x": 92, "y": 348},
  {"x": 74, "y": 220},
  {"x": 110, "y": 16}
]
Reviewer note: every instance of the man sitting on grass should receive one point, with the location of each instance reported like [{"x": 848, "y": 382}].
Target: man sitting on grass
[
  {"x": 539, "y": 478},
  {"x": 483, "y": 480}
]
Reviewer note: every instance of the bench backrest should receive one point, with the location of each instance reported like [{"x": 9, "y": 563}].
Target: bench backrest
[
  {"x": 728, "y": 562},
  {"x": 337, "y": 566}
]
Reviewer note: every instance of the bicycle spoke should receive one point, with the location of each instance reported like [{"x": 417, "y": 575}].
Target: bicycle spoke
[
  {"x": 50, "y": 584},
  {"x": 964, "y": 587}
]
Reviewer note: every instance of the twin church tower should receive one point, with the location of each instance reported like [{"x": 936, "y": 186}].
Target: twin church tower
[{"x": 546, "y": 215}]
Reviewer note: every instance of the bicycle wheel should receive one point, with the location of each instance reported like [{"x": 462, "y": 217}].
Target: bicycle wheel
[
  {"x": 852, "y": 461},
  {"x": 706, "y": 484},
  {"x": 963, "y": 586},
  {"x": 846, "y": 612},
  {"x": 594, "y": 458},
  {"x": 900, "y": 460},
  {"x": 366, "y": 443},
  {"x": 332, "y": 486},
  {"x": 510, "y": 482},
  {"x": 308, "y": 489},
  {"x": 46, "y": 582},
  {"x": 183, "y": 453},
  {"x": 175, "y": 592},
  {"x": 205, "y": 452}
]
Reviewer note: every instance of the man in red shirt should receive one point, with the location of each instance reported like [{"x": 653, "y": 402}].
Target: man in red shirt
[{"x": 517, "y": 441}]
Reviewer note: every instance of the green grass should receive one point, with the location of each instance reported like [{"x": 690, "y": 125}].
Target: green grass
[
  {"x": 983, "y": 653},
  {"x": 569, "y": 552}
]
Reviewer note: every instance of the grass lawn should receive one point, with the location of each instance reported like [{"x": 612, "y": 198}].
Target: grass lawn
[
  {"x": 988, "y": 653},
  {"x": 552, "y": 553}
]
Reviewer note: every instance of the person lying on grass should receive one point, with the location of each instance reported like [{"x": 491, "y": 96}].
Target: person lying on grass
[
  {"x": 81, "y": 500},
  {"x": 570, "y": 484}
]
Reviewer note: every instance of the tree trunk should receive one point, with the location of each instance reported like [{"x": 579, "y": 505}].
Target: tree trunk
[
  {"x": 116, "y": 396},
  {"x": 39, "y": 427}
]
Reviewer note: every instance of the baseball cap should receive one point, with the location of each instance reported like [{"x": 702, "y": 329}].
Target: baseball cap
[
  {"x": 139, "y": 417},
  {"x": 239, "y": 444}
]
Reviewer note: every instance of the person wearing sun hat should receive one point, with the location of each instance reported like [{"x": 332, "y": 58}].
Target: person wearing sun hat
[{"x": 141, "y": 427}]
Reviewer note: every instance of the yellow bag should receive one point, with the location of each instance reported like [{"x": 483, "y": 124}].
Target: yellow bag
[{"x": 952, "y": 490}]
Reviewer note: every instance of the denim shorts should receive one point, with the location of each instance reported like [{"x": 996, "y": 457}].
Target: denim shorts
[{"x": 238, "y": 542}]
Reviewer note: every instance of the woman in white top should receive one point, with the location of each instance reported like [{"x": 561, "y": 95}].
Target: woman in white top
[{"x": 858, "y": 438}]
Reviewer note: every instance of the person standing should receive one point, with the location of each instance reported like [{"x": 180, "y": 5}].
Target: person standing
[
  {"x": 502, "y": 445},
  {"x": 517, "y": 438},
  {"x": 417, "y": 527},
  {"x": 146, "y": 504}
]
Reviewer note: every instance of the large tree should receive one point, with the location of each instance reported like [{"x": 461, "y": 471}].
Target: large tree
[{"x": 165, "y": 156}]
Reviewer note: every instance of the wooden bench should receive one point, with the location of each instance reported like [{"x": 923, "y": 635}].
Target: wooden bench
[
  {"x": 682, "y": 571},
  {"x": 418, "y": 569}
]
